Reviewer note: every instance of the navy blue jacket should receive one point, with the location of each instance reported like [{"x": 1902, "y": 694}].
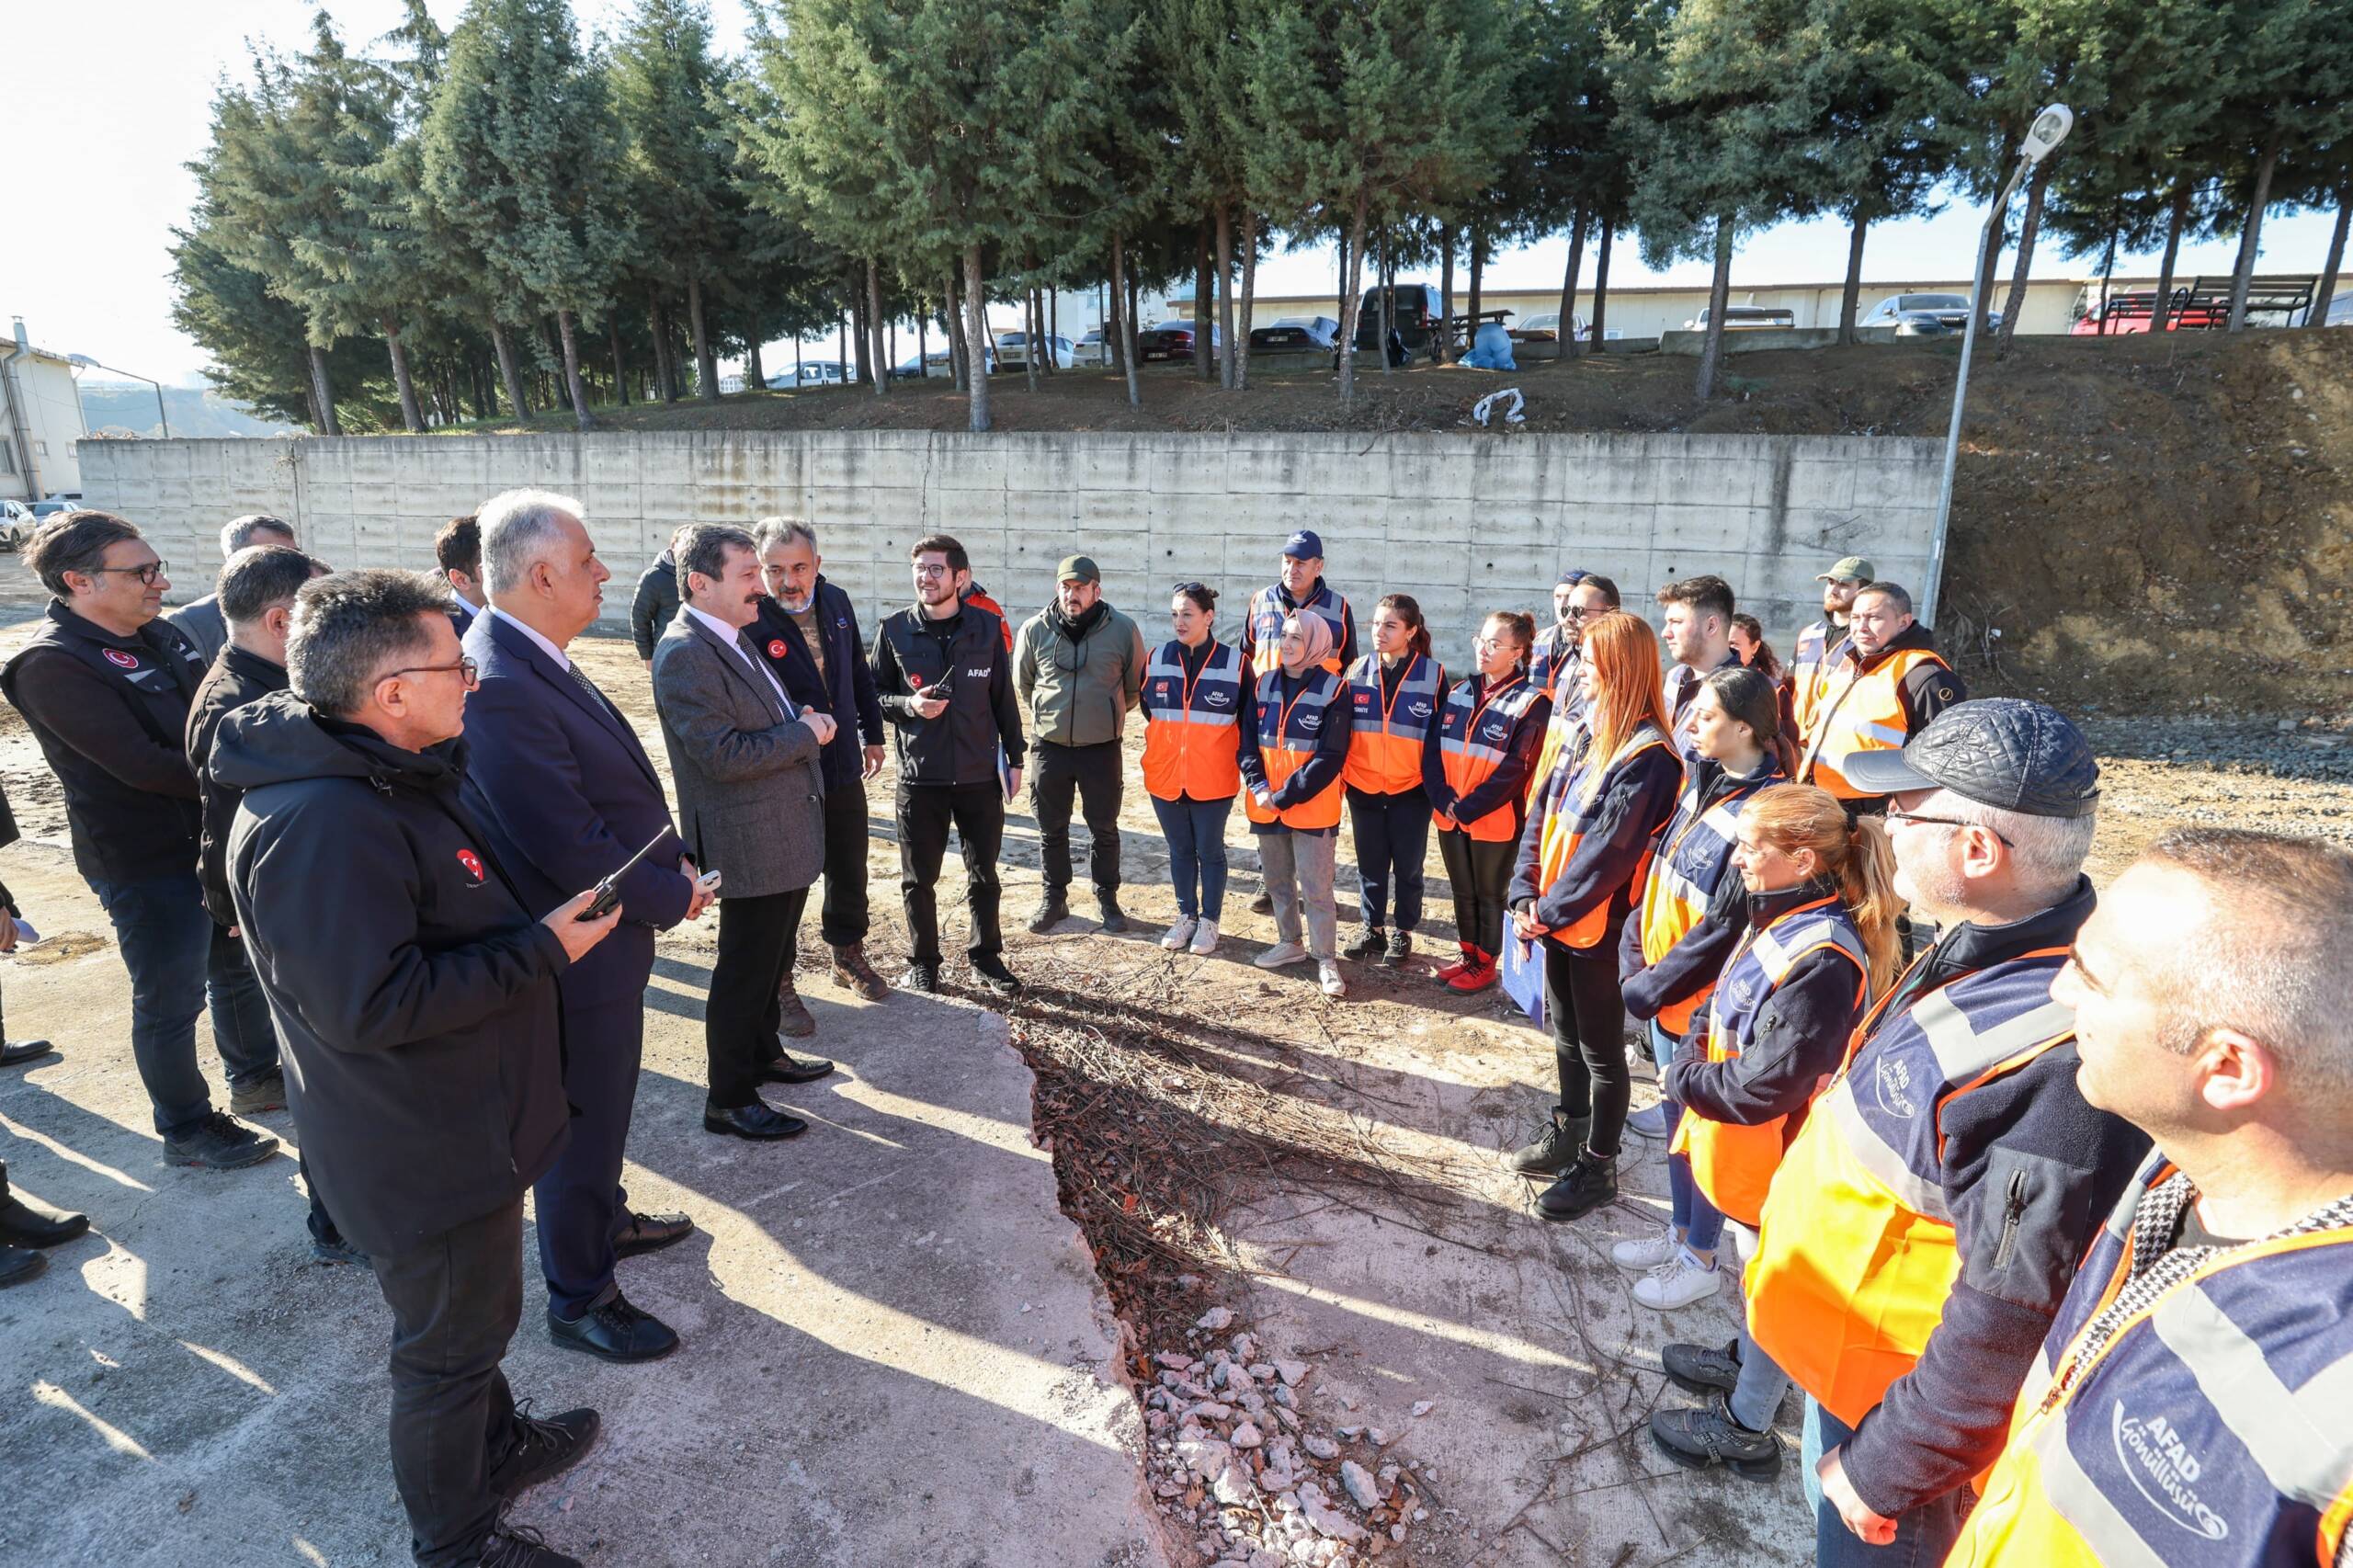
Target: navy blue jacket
[
  {"x": 846, "y": 688},
  {"x": 567, "y": 795}
]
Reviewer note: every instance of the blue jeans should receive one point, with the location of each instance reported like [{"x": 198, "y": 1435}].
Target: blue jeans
[
  {"x": 1757, "y": 1395},
  {"x": 1701, "y": 1222},
  {"x": 179, "y": 961},
  {"x": 1196, "y": 835},
  {"x": 1393, "y": 836},
  {"x": 1924, "y": 1536}
]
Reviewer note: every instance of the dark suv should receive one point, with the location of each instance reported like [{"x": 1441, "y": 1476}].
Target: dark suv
[{"x": 1419, "y": 315}]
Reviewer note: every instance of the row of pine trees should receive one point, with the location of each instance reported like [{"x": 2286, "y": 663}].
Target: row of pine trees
[{"x": 442, "y": 227}]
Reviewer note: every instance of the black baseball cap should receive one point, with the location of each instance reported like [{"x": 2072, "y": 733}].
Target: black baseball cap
[{"x": 1998, "y": 751}]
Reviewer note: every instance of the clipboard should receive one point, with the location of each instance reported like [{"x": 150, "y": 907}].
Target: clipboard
[
  {"x": 1522, "y": 964},
  {"x": 1004, "y": 773}
]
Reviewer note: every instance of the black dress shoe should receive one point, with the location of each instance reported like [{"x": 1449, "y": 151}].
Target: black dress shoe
[
  {"x": 759, "y": 1120},
  {"x": 24, "y": 1226},
  {"x": 541, "y": 1449},
  {"x": 790, "y": 1069},
  {"x": 16, "y": 1052},
  {"x": 16, "y": 1264},
  {"x": 996, "y": 977},
  {"x": 615, "y": 1331},
  {"x": 923, "y": 979},
  {"x": 651, "y": 1233}
]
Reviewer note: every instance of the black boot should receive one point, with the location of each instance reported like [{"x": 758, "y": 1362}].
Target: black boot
[
  {"x": 1557, "y": 1147},
  {"x": 1115, "y": 919},
  {"x": 1371, "y": 942},
  {"x": 1588, "y": 1184},
  {"x": 1053, "y": 909}
]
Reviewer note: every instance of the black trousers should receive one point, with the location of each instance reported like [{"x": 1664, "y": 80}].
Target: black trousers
[
  {"x": 741, "y": 1015},
  {"x": 455, "y": 1302},
  {"x": 1095, "y": 774},
  {"x": 926, "y": 813},
  {"x": 1392, "y": 837},
  {"x": 1480, "y": 872},
  {"x": 1588, "y": 1015},
  {"x": 842, "y": 919},
  {"x": 581, "y": 1206}
]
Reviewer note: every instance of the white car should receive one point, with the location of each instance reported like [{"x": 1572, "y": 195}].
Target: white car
[
  {"x": 812, "y": 373},
  {"x": 17, "y": 521},
  {"x": 1546, "y": 328},
  {"x": 1094, "y": 348},
  {"x": 1012, "y": 351}
]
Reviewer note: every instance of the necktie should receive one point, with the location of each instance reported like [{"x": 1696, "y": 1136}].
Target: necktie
[
  {"x": 589, "y": 687},
  {"x": 757, "y": 658}
]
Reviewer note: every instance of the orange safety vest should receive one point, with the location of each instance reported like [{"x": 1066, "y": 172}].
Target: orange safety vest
[
  {"x": 1816, "y": 651},
  {"x": 1474, "y": 739},
  {"x": 1567, "y": 816},
  {"x": 1734, "y": 1164},
  {"x": 1288, "y": 733},
  {"x": 2208, "y": 1427},
  {"x": 1567, "y": 734},
  {"x": 1856, "y": 1251},
  {"x": 1386, "y": 740},
  {"x": 979, "y": 597},
  {"x": 1268, "y": 613},
  {"x": 1693, "y": 856},
  {"x": 1855, "y": 711},
  {"x": 1191, "y": 725}
]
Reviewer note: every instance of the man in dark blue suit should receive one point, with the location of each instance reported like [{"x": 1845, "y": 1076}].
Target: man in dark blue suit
[
  {"x": 456, "y": 550},
  {"x": 566, "y": 793}
]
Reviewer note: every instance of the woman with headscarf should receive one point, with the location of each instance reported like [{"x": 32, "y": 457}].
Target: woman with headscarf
[{"x": 1294, "y": 750}]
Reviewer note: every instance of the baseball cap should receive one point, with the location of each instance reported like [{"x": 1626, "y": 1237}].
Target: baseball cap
[
  {"x": 1849, "y": 569},
  {"x": 1083, "y": 567},
  {"x": 1998, "y": 751},
  {"x": 1305, "y": 545},
  {"x": 1571, "y": 578}
]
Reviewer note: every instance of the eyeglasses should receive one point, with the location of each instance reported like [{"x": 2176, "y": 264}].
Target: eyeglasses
[
  {"x": 1895, "y": 816},
  {"x": 1580, "y": 613},
  {"x": 146, "y": 574},
  {"x": 464, "y": 667}
]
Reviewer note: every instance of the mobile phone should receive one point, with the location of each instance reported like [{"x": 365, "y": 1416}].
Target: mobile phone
[
  {"x": 939, "y": 688},
  {"x": 708, "y": 881},
  {"x": 609, "y": 891}
]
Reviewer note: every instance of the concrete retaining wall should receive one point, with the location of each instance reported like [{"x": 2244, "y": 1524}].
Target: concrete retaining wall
[{"x": 1464, "y": 524}]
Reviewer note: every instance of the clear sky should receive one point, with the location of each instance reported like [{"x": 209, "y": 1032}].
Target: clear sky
[{"x": 108, "y": 100}]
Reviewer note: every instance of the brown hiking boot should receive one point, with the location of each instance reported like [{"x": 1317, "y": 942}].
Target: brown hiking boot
[
  {"x": 793, "y": 1019},
  {"x": 852, "y": 972}
]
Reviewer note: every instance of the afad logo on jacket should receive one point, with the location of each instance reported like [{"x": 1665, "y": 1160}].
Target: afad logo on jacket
[
  {"x": 2159, "y": 1464},
  {"x": 472, "y": 862}
]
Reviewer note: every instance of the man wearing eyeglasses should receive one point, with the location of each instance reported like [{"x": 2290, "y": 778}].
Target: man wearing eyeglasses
[{"x": 107, "y": 687}]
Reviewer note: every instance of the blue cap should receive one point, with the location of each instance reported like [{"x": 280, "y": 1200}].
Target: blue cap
[
  {"x": 1305, "y": 545},
  {"x": 1571, "y": 577}
]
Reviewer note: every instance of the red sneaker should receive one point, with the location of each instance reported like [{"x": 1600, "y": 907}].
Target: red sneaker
[{"x": 1468, "y": 960}]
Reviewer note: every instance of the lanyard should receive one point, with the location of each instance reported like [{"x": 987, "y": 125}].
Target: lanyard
[
  {"x": 1282, "y": 718},
  {"x": 1195, "y": 679},
  {"x": 1493, "y": 692},
  {"x": 1404, "y": 675}
]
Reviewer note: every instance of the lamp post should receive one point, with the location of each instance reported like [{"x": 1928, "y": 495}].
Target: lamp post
[
  {"x": 161, "y": 417},
  {"x": 2050, "y": 128}
]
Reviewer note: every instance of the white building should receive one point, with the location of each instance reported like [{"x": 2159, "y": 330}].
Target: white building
[{"x": 41, "y": 419}]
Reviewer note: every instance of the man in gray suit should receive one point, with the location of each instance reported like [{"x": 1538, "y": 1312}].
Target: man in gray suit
[
  {"x": 751, "y": 806},
  {"x": 200, "y": 621}
]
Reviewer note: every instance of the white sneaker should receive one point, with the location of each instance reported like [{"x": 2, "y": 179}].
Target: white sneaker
[
  {"x": 1280, "y": 955},
  {"x": 1650, "y": 1122},
  {"x": 1205, "y": 938},
  {"x": 1328, "y": 975},
  {"x": 1646, "y": 1253},
  {"x": 1677, "y": 1282},
  {"x": 1179, "y": 935}
]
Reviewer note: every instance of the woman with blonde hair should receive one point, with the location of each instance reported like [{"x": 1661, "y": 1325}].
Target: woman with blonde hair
[
  {"x": 1583, "y": 857},
  {"x": 1822, "y": 942}
]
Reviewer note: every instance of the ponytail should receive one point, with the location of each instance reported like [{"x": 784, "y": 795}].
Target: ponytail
[
  {"x": 1854, "y": 854},
  {"x": 1522, "y": 626},
  {"x": 1406, "y": 605}
]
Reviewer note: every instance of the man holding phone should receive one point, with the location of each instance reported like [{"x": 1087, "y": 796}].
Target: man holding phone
[
  {"x": 752, "y": 801},
  {"x": 562, "y": 784},
  {"x": 942, "y": 669}
]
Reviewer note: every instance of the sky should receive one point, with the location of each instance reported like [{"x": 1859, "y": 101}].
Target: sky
[{"x": 114, "y": 98}]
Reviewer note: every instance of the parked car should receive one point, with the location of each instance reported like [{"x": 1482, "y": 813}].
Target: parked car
[
  {"x": 1746, "y": 318},
  {"x": 16, "y": 523},
  {"x": 1418, "y": 315},
  {"x": 46, "y": 509},
  {"x": 1012, "y": 351},
  {"x": 1925, "y": 315},
  {"x": 1171, "y": 340},
  {"x": 1297, "y": 332},
  {"x": 812, "y": 373},
  {"x": 1094, "y": 348},
  {"x": 1546, "y": 328}
]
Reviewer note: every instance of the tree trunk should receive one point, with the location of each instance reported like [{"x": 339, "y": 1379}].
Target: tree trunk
[
  {"x": 1850, "y": 300},
  {"x": 1225, "y": 220},
  {"x": 2028, "y": 226},
  {"x": 1249, "y": 299},
  {"x": 951, "y": 322},
  {"x": 1718, "y": 295},
  {"x": 1204, "y": 314},
  {"x": 2107, "y": 281},
  {"x": 323, "y": 392},
  {"x": 1446, "y": 283},
  {"x": 756, "y": 372},
  {"x": 2318, "y": 314},
  {"x": 1029, "y": 336},
  {"x": 657, "y": 321},
  {"x": 1572, "y": 343},
  {"x": 410, "y": 415},
  {"x": 1115, "y": 343},
  {"x": 1478, "y": 293},
  {"x": 706, "y": 357},
  {"x": 505, "y": 345},
  {"x": 976, "y": 340},
  {"x": 874, "y": 324},
  {"x": 1386, "y": 276},
  {"x": 1601, "y": 283},
  {"x": 579, "y": 393},
  {"x": 2251, "y": 237},
  {"x": 621, "y": 375},
  {"x": 855, "y": 350},
  {"x": 1052, "y": 296},
  {"x": 1982, "y": 300},
  {"x": 2161, "y": 308},
  {"x": 1351, "y": 299},
  {"x": 1123, "y": 307}
]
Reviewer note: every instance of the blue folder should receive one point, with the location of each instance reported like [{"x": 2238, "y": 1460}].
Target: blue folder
[{"x": 1523, "y": 975}]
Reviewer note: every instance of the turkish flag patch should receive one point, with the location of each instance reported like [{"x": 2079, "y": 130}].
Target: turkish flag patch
[
  {"x": 120, "y": 659},
  {"x": 472, "y": 862},
  {"x": 776, "y": 647}
]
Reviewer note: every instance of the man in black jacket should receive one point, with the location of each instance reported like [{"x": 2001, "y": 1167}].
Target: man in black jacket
[
  {"x": 417, "y": 998},
  {"x": 656, "y": 603},
  {"x": 808, "y": 629},
  {"x": 106, "y": 688},
  {"x": 942, "y": 672}
]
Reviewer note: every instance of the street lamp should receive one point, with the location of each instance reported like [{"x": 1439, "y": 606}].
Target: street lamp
[
  {"x": 85, "y": 360},
  {"x": 2050, "y": 128}
]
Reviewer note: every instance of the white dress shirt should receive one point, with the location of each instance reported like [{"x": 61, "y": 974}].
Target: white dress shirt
[
  {"x": 734, "y": 638},
  {"x": 563, "y": 660}
]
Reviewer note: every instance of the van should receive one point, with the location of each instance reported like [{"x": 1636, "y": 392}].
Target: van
[{"x": 1419, "y": 315}]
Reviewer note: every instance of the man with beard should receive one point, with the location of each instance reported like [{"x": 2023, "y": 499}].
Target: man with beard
[{"x": 1819, "y": 642}]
